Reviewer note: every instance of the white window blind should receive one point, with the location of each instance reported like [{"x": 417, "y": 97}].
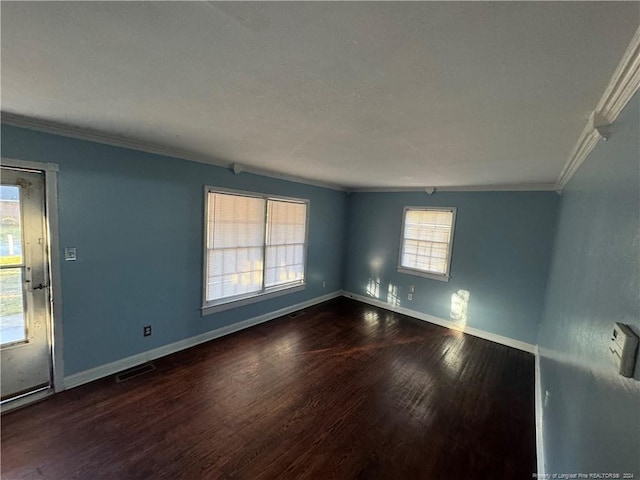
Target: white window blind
[
  {"x": 426, "y": 240},
  {"x": 235, "y": 245},
  {"x": 254, "y": 245},
  {"x": 286, "y": 222}
]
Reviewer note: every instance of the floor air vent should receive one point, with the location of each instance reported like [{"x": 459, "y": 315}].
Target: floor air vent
[{"x": 135, "y": 372}]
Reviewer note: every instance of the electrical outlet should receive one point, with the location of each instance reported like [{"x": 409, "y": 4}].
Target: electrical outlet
[
  {"x": 410, "y": 296},
  {"x": 146, "y": 330},
  {"x": 70, "y": 254},
  {"x": 324, "y": 284}
]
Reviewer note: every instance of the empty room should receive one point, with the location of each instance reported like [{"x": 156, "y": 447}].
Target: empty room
[{"x": 314, "y": 240}]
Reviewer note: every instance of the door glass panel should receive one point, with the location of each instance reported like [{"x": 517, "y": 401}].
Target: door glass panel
[
  {"x": 12, "y": 322},
  {"x": 10, "y": 227}
]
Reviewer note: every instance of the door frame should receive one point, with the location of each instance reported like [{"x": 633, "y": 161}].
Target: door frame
[{"x": 50, "y": 171}]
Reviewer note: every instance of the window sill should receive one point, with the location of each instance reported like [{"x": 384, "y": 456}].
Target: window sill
[
  {"x": 254, "y": 298},
  {"x": 420, "y": 273}
]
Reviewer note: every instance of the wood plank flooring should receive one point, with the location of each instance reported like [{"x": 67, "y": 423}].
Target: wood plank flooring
[{"x": 345, "y": 391}]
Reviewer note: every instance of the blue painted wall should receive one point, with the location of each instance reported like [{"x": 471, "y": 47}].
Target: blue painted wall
[
  {"x": 137, "y": 222},
  {"x": 502, "y": 246},
  {"x": 592, "y": 422}
]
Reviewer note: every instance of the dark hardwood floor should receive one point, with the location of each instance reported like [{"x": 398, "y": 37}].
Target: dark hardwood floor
[{"x": 344, "y": 391}]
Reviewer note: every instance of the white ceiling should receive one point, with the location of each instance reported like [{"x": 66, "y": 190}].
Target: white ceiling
[{"x": 352, "y": 94}]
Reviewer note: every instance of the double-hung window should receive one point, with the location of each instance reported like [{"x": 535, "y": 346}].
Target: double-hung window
[
  {"x": 426, "y": 243},
  {"x": 255, "y": 247}
]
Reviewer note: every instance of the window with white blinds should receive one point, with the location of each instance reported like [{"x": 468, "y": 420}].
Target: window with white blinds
[
  {"x": 286, "y": 232},
  {"x": 254, "y": 245},
  {"x": 427, "y": 237}
]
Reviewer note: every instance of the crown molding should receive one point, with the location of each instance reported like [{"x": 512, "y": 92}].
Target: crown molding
[
  {"x": 292, "y": 178},
  {"x": 79, "y": 133},
  {"x": 623, "y": 85},
  {"x": 524, "y": 187}
]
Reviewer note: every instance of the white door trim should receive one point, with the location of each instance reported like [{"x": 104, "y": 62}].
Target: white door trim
[{"x": 51, "y": 211}]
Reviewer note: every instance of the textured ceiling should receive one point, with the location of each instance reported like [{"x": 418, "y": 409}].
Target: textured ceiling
[{"x": 353, "y": 94}]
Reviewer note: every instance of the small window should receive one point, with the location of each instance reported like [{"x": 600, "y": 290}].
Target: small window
[
  {"x": 255, "y": 247},
  {"x": 427, "y": 238}
]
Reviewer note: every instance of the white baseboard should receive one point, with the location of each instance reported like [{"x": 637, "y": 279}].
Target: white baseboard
[
  {"x": 493, "y": 337},
  {"x": 86, "y": 376},
  {"x": 96, "y": 373},
  {"x": 541, "y": 465}
]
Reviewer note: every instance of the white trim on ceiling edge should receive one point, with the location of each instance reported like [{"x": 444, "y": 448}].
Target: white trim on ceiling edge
[
  {"x": 523, "y": 187},
  {"x": 79, "y": 133},
  {"x": 623, "y": 85},
  {"x": 101, "y": 371},
  {"x": 493, "y": 337}
]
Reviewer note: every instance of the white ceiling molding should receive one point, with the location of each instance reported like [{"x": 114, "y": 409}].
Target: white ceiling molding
[
  {"x": 98, "y": 137},
  {"x": 623, "y": 85},
  {"x": 531, "y": 187},
  {"x": 600, "y": 124},
  {"x": 80, "y": 133},
  {"x": 292, "y": 178},
  {"x": 116, "y": 141}
]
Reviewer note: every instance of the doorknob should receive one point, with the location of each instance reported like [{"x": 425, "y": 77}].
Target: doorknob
[{"x": 40, "y": 286}]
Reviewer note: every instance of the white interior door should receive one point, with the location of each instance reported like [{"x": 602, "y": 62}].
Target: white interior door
[{"x": 25, "y": 346}]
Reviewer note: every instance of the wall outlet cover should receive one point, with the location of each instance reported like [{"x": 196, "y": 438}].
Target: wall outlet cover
[{"x": 70, "y": 254}]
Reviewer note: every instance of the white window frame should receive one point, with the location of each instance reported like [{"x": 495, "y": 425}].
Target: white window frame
[
  {"x": 443, "y": 277},
  {"x": 213, "y": 306}
]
